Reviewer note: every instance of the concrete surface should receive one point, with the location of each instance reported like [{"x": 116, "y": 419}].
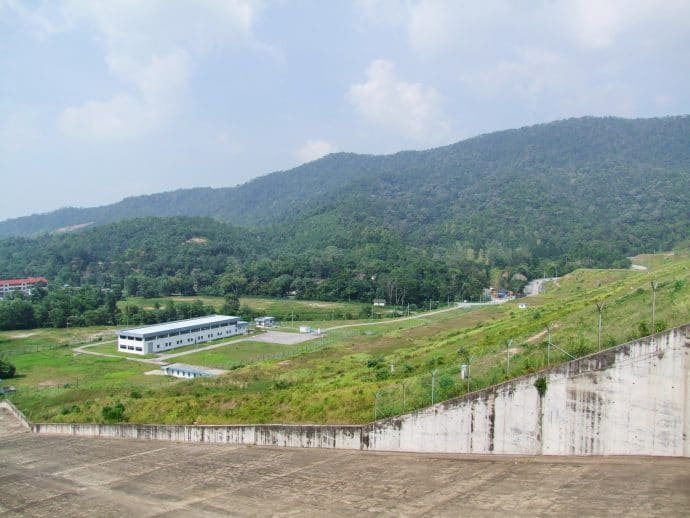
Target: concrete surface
[
  {"x": 633, "y": 399},
  {"x": 74, "y": 476}
]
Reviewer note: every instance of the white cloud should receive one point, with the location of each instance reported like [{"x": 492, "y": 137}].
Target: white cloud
[
  {"x": 156, "y": 88},
  {"x": 313, "y": 150},
  {"x": 386, "y": 12},
  {"x": 149, "y": 47},
  {"x": 529, "y": 74},
  {"x": 410, "y": 109},
  {"x": 227, "y": 142}
]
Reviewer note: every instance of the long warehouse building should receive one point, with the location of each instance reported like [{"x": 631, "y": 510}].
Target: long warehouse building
[{"x": 163, "y": 337}]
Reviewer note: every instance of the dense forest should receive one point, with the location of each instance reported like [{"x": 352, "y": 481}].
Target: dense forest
[{"x": 415, "y": 226}]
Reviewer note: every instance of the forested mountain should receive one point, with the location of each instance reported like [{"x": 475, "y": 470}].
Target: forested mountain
[
  {"x": 582, "y": 165},
  {"x": 411, "y": 226}
]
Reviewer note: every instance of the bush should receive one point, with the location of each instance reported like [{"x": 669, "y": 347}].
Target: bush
[
  {"x": 375, "y": 363},
  {"x": 281, "y": 384},
  {"x": 643, "y": 328},
  {"x": 115, "y": 413},
  {"x": 7, "y": 370},
  {"x": 383, "y": 373},
  {"x": 540, "y": 385},
  {"x": 74, "y": 409}
]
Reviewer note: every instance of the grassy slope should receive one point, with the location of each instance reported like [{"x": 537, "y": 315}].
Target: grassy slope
[{"x": 333, "y": 382}]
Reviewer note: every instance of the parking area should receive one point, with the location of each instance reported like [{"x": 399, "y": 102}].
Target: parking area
[{"x": 71, "y": 476}]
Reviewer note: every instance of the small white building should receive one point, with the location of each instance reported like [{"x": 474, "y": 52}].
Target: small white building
[
  {"x": 265, "y": 322},
  {"x": 163, "y": 337},
  {"x": 182, "y": 370}
]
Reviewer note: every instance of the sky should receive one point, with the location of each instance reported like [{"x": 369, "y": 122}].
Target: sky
[{"x": 104, "y": 100}]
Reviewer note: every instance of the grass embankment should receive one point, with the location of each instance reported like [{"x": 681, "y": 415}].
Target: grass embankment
[{"x": 348, "y": 378}]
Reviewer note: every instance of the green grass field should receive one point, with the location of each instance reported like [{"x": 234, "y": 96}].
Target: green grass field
[
  {"x": 290, "y": 311},
  {"x": 354, "y": 373}
]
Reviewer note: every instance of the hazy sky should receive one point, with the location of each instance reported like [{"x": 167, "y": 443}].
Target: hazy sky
[{"x": 105, "y": 99}]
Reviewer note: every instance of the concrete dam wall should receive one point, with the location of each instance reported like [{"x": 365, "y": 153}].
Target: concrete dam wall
[{"x": 633, "y": 399}]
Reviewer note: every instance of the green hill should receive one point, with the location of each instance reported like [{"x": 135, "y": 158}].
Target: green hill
[{"x": 413, "y": 226}]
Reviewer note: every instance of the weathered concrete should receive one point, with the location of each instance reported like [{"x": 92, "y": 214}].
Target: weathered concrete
[
  {"x": 18, "y": 414},
  {"x": 633, "y": 399},
  {"x": 295, "y": 436},
  {"x": 44, "y": 475}
]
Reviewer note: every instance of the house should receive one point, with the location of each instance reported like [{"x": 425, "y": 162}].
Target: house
[
  {"x": 24, "y": 285},
  {"x": 170, "y": 335}
]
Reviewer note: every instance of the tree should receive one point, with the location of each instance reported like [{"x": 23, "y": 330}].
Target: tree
[{"x": 231, "y": 306}]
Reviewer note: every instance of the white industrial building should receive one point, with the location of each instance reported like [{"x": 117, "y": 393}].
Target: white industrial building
[{"x": 163, "y": 337}]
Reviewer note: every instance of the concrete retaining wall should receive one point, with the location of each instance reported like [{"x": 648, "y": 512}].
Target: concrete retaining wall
[
  {"x": 7, "y": 405},
  {"x": 295, "y": 436},
  {"x": 633, "y": 399}
]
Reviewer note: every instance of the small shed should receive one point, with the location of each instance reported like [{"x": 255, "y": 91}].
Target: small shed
[
  {"x": 182, "y": 370},
  {"x": 265, "y": 322},
  {"x": 379, "y": 302}
]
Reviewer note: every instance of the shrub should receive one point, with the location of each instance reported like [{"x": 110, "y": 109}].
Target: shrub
[
  {"x": 383, "y": 373},
  {"x": 7, "y": 370},
  {"x": 281, "y": 384},
  {"x": 643, "y": 328},
  {"x": 135, "y": 394},
  {"x": 114, "y": 413},
  {"x": 540, "y": 385},
  {"x": 375, "y": 363}
]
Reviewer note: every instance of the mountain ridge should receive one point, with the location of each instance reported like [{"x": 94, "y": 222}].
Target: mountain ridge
[{"x": 279, "y": 195}]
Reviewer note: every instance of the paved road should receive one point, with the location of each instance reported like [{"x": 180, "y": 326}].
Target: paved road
[
  {"x": 455, "y": 307},
  {"x": 75, "y": 476},
  {"x": 535, "y": 287}
]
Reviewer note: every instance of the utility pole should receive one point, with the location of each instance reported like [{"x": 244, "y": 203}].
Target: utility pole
[
  {"x": 548, "y": 345},
  {"x": 508, "y": 344},
  {"x": 403, "y": 391},
  {"x": 469, "y": 361},
  {"x": 655, "y": 285},
  {"x": 600, "y": 309},
  {"x": 433, "y": 384}
]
